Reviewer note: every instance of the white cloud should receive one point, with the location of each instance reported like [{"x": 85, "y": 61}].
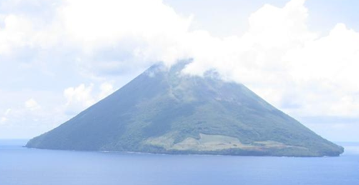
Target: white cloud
[
  {"x": 103, "y": 36},
  {"x": 32, "y": 105},
  {"x": 106, "y": 89},
  {"x": 112, "y": 20},
  {"x": 81, "y": 97},
  {"x": 14, "y": 33},
  {"x": 297, "y": 70},
  {"x": 30, "y": 113},
  {"x": 78, "y": 98},
  {"x": 325, "y": 70}
]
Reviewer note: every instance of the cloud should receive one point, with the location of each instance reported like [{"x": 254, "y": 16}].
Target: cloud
[
  {"x": 301, "y": 72},
  {"x": 32, "y": 105},
  {"x": 103, "y": 37},
  {"x": 81, "y": 97},
  {"x": 78, "y": 98},
  {"x": 119, "y": 36},
  {"x": 111, "y": 21},
  {"x": 304, "y": 73},
  {"x": 324, "y": 69},
  {"x": 106, "y": 89},
  {"x": 29, "y": 118},
  {"x": 14, "y": 33},
  {"x": 29, "y": 113}
]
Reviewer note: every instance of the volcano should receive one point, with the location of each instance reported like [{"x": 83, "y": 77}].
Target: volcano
[{"x": 166, "y": 111}]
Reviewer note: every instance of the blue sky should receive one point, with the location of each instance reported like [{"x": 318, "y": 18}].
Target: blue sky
[{"x": 59, "y": 57}]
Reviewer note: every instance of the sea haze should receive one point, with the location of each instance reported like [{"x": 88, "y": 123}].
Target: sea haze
[{"x": 22, "y": 166}]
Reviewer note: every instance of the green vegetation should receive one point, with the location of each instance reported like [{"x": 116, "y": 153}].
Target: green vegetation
[{"x": 165, "y": 111}]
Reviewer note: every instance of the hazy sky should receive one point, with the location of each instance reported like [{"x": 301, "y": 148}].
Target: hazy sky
[{"x": 58, "y": 57}]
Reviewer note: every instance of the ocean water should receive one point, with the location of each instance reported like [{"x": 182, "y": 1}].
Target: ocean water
[{"x": 22, "y": 166}]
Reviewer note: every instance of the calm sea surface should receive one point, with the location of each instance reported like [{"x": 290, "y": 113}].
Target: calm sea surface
[{"x": 22, "y": 166}]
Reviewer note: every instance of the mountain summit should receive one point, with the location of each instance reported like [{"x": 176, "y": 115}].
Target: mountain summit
[{"x": 165, "y": 111}]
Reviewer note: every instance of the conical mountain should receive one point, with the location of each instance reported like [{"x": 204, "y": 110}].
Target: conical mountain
[{"x": 164, "y": 111}]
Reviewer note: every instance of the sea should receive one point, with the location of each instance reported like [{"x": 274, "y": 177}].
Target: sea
[{"x": 23, "y": 166}]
